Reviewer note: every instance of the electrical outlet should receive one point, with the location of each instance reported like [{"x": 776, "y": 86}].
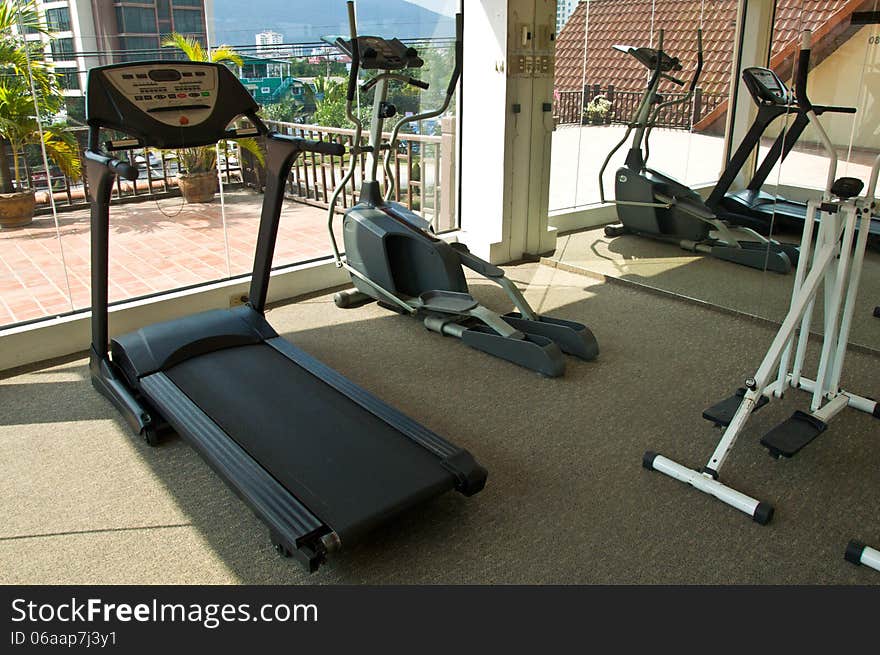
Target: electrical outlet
[{"x": 237, "y": 299}]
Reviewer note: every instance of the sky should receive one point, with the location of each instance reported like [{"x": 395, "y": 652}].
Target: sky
[{"x": 445, "y": 7}]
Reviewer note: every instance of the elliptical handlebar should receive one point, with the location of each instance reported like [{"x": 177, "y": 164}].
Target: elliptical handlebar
[
  {"x": 391, "y": 144},
  {"x": 450, "y": 91},
  {"x": 644, "y": 119},
  {"x": 685, "y": 98},
  {"x": 355, "y": 53}
]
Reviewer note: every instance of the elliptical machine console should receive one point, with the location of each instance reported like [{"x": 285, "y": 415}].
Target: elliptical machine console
[{"x": 392, "y": 253}]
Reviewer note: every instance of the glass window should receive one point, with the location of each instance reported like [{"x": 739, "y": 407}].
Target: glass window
[
  {"x": 163, "y": 10},
  {"x": 58, "y": 19},
  {"x": 137, "y": 47},
  {"x": 160, "y": 242},
  {"x": 33, "y": 271},
  {"x": 62, "y": 48},
  {"x": 67, "y": 79},
  {"x": 137, "y": 20},
  {"x": 188, "y": 22},
  {"x": 598, "y": 88}
]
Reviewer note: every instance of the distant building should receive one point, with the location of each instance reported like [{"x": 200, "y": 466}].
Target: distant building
[
  {"x": 564, "y": 10},
  {"x": 268, "y": 38},
  {"x": 136, "y": 27},
  {"x": 269, "y": 81},
  {"x": 269, "y": 45},
  {"x": 72, "y": 36}
]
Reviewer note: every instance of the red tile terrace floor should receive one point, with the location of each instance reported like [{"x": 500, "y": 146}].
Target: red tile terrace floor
[{"x": 153, "y": 248}]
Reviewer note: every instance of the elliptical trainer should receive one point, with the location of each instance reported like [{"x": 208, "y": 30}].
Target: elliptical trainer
[
  {"x": 393, "y": 255},
  {"x": 654, "y": 205}
]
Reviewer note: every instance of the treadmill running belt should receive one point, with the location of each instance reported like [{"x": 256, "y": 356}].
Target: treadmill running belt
[{"x": 350, "y": 468}]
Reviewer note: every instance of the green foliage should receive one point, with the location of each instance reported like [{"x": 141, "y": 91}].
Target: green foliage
[
  {"x": 597, "y": 109},
  {"x": 22, "y": 112},
  {"x": 439, "y": 63},
  {"x": 301, "y": 67},
  {"x": 194, "y": 51},
  {"x": 330, "y": 104},
  {"x": 204, "y": 158},
  {"x": 288, "y": 110}
]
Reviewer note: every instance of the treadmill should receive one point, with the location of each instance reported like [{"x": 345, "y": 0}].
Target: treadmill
[
  {"x": 319, "y": 460},
  {"x": 751, "y": 207}
]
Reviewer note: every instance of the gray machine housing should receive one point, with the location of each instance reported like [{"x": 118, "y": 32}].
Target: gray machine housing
[{"x": 395, "y": 258}]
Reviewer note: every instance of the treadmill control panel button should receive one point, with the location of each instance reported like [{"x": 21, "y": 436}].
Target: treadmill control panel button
[{"x": 176, "y": 93}]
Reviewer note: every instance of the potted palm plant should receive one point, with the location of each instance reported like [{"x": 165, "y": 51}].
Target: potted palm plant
[
  {"x": 197, "y": 176},
  {"x": 23, "y": 113}
]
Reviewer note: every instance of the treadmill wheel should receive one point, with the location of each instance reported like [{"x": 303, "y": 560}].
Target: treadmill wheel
[
  {"x": 281, "y": 549},
  {"x": 151, "y": 436}
]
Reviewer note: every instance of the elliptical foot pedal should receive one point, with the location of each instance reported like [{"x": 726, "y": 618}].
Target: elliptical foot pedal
[
  {"x": 533, "y": 352},
  {"x": 572, "y": 338},
  {"x": 787, "y": 438},
  {"x": 447, "y": 302},
  {"x": 721, "y": 413},
  {"x": 753, "y": 255}
]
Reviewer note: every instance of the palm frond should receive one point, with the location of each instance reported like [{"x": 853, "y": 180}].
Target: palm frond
[
  {"x": 22, "y": 15},
  {"x": 252, "y": 146},
  {"x": 193, "y": 50},
  {"x": 223, "y": 53},
  {"x": 61, "y": 148}
]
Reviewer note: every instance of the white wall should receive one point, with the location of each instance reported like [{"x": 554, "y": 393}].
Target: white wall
[
  {"x": 505, "y": 132},
  {"x": 850, "y": 77}
]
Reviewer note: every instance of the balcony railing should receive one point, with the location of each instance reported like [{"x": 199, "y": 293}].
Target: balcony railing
[
  {"x": 157, "y": 179},
  {"x": 423, "y": 167},
  {"x": 569, "y": 107}
]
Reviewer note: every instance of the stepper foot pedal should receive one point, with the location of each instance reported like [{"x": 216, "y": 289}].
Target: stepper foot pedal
[
  {"x": 787, "y": 438},
  {"x": 721, "y": 413}
]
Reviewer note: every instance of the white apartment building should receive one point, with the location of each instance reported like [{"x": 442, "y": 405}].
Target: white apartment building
[
  {"x": 268, "y": 42},
  {"x": 72, "y": 48},
  {"x": 564, "y": 10}
]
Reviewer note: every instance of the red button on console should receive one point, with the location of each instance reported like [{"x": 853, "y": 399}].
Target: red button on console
[{"x": 184, "y": 120}]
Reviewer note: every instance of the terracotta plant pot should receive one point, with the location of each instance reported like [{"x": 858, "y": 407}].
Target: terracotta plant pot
[
  {"x": 16, "y": 209},
  {"x": 198, "y": 187}
]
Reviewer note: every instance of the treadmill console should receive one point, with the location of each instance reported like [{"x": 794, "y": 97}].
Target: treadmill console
[
  {"x": 177, "y": 94},
  {"x": 377, "y": 53},
  {"x": 167, "y": 104},
  {"x": 766, "y": 87}
]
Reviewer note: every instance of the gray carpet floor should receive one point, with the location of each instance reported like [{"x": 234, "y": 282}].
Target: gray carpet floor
[
  {"x": 567, "y": 500},
  {"x": 666, "y": 267}
]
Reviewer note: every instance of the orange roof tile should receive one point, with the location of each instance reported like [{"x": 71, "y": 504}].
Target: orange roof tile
[{"x": 630, "y": 22}]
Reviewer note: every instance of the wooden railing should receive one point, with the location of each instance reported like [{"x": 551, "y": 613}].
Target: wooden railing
[
  {"x": 423, "y": 169},
  {"x": 157, "y": 179},
  {"x": 569, "y": 107}
]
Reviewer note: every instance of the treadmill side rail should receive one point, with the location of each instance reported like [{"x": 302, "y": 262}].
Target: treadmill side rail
[{"x": 291, "y": 524}]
